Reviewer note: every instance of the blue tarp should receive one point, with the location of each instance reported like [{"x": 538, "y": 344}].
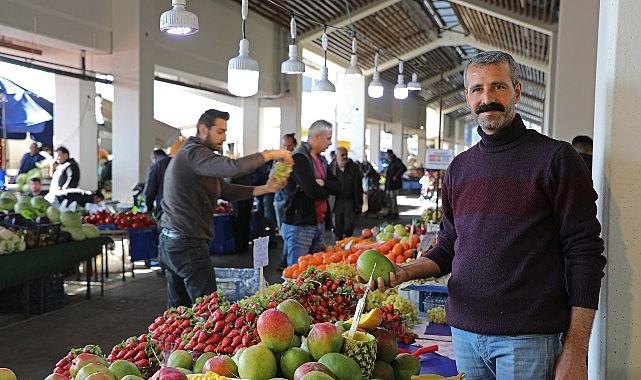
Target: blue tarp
[{"x": 27, "y": 112}]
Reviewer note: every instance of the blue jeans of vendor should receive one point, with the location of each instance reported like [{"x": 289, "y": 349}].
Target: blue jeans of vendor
[
  {"x": 188, "y": 268},
  {"x": 301, "y": 240}
]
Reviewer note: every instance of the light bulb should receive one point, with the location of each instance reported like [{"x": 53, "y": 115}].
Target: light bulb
[
  {"x": 401, "y": 93},
  {"x": 324, "y": 84},
  {"x": 243, "y": 72},
  {"x": 375, "y": 89},
  {"x": 400, "y": 90},
  {"x": 178, "y": 20},
  {"x": 293, "y": 65},
  {"x": 414, "y": 85}
]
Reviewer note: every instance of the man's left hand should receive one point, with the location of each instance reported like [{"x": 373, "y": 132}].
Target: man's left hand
[
  {"x": 571, "y": 365},
  {"x": 274, "y": 185}
]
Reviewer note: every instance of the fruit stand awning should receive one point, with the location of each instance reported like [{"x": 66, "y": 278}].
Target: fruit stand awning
[{"x": 22, "y": 112}]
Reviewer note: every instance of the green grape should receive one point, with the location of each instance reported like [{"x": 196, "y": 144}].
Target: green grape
[{"x": 282, "y": 171}]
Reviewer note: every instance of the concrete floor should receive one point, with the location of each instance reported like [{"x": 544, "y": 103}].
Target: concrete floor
[{"x": 32, "y": 347}]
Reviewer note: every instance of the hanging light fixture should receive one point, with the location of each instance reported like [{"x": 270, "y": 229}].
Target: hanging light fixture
[
  {"x": 375, "y": 89},
  {"x": 414, "y": 85},
  {"x": 242, "y": 71},
  {"x": 293, "y": 65},
  {"x": 400, "y": 90},
  {"x": 324, "y": 85},
  {"x": 353, "y": 71},
  {"x": 178, "y": 20}
]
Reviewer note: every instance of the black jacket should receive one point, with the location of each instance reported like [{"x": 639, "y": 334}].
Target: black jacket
[
  {"x": 70, "y": 176},
  {"x": 302, "y": 190},
  {"x": 154, "y": 185},
  {"x": 351, "y": 183},
  {"x": 394, "y": 174}
]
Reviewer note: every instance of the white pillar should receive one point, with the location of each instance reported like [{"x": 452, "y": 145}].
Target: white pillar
[
  {"x": 133, "y": 113},
  {"x": 75, "y": 126},
  {"x": 397, "y": 129},
  {"x": 291, "y": 106},
  {"x": 573, "y": 110},
  {"x": 458, "y": 144},
  {"x": 550, "y": 83},
  {"x": 352, "y": 104},
  {"x": 250, "y": 126},
  {"x": 616, "y": 339},
  {"x": 374, "y": 144}
]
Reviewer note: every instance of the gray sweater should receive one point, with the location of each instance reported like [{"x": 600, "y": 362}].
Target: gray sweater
[{"x": 194, "y": 183}]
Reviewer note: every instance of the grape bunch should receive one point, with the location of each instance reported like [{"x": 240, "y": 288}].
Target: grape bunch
[
  {"x": 405, "y": 306},
  {"x": 437, "y": 315},
  {"x": 281, "y": 171},
  {"x": 342, "y": 270}
]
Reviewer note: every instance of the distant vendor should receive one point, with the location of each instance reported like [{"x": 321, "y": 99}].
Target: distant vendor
[{"x": 30, "y": 159}]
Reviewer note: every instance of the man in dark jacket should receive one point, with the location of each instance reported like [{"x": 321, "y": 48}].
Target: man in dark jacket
[
  {"x": 30, "y": 159},
  {"x": 66, "y": 176},
  {"x": 154, "y": 185},
  {"x": 393, "y": 181},
  {"x": 306, "y": 194},
  {"x": 349, "y": 198}
]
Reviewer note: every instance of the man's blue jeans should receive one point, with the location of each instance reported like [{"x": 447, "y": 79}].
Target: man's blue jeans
[
  {"x": 483, "y": 357},
  {"x": 301, "y": 240}
]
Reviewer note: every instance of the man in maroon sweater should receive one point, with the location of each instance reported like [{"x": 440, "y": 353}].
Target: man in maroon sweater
[{"x": 518, "y": 207}]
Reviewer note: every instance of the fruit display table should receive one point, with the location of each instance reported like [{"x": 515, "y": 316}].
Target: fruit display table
[{"x": 20, "y": 268}]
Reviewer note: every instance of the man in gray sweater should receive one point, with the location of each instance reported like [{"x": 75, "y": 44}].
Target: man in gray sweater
[{"x": 193, "y": 183}]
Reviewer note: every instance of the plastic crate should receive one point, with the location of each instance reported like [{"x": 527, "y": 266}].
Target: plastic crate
[
  {"x": 45, "y": 295},
  {"x": 223, "y": 241},
  {"x": 34, "y": 234},
  {"x": 425, "y": 295},
  {"x": 237, "y": 283},
  {"x": 143, "y": 244},
  {"x": 106, "y": 227}
]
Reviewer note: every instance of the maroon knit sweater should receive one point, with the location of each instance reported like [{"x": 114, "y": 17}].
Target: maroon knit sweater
[{"x": 517, "y": 208}]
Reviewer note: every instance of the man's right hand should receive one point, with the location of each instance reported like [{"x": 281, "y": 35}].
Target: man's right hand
[
  {"x": 281, "y": 154},
  {"x": 320, "y": 182},
  {"x": 399, "y": 276}
]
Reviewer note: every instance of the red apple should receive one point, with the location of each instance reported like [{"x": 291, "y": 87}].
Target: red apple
[{"x": 168, "y": 373}]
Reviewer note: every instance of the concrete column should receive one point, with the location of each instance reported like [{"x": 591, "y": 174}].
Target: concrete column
[
  {"x": 374, "y": 143},
  {"x": 398, "y": 141},
  {"x": 458, "y": 129},
  {"x": 291, "y": 107},
  {"x": 250, "y": 126},
  {"x": 550, "y": 83},
  {"x": 75, "y": 126},
  {"x": 573, "y": 109},
  {"x": 422, "y": 146},
  {"x": 133, "y": 112},
  {"x": 615, "y": 347},
  {"x": 353, "y": 103}
]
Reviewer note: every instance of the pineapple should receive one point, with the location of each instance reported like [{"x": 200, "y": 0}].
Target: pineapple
[{"x": 362, "y": 348}]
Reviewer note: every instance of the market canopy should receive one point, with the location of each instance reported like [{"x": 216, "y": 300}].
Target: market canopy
[{"x": 26, "y": 112}]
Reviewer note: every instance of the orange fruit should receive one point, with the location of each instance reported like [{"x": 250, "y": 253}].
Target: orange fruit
[
  {"x": 414, "y": 240},
  {"x": 398, "y": 249},
  {"x": 287, "y": 273},
  {"x": 352, "y": 258},
  {"x": 391, "y": 257},
  {"x": 303, "y": 265},
  {"x": 405, "y": 246},
  {"x": 295, "y": 274},
  {"x": 400, "y": 259},
  {"x": 322, "y": 267}
]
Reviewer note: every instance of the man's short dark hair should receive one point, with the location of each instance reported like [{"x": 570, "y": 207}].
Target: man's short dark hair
[
  {"x": 98, "y": 194},
  {"x": 62, "y": 149},
  {"x": 209, "y": 117},
  {"x": 291, "y": 136},
  {"x": 389, "y": 151},
  {"x": 581, "y": 139},
  {"x": 35, "y": 179},
  {"x": 158, "y": 154},
  {"x": 493, "y": 58}
]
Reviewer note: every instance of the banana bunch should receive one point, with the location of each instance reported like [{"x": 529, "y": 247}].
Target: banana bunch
[{"x": 431, "y": 216}]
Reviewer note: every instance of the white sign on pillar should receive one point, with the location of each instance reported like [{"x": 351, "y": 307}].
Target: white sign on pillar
[{"x": 75, "y": 126}]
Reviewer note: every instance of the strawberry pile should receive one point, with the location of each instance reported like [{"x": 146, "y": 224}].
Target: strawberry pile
[
  {"x": 167, "y": 329},
  {"x": 207, "y": 305},
  {"x": 393, "y": 321},
  {"x": 140, "y": 351},
  {"x": 325, "y": 297},
  {"x": 64, "y": 364},
  {"x": 223, "y": 332}
]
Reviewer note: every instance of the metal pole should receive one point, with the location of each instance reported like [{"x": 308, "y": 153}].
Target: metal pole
[
  {"x": 3, "y": 145},
  {"x": 437, "y": 185}
]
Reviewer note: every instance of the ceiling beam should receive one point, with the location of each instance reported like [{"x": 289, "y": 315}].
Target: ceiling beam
[
  {"x": 456, "y": 91},
  {"x": 446, "y": 74},
  {"x": 344, "y": 21},
  {"x": 453, "y": 108},
  {"x": 507, "y": 15},
  {"x": 331, "y": 56},
  {"x": 537, "y": 64}
]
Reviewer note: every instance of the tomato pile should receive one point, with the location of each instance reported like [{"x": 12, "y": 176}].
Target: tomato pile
[
  {"x": 122, "y": 220},
  {"x": 140, "y": 351},
  {"x": 64, "y": 365}
]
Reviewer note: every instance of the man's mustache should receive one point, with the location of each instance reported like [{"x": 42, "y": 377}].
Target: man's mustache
[{"x": 490, "y": 107}]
